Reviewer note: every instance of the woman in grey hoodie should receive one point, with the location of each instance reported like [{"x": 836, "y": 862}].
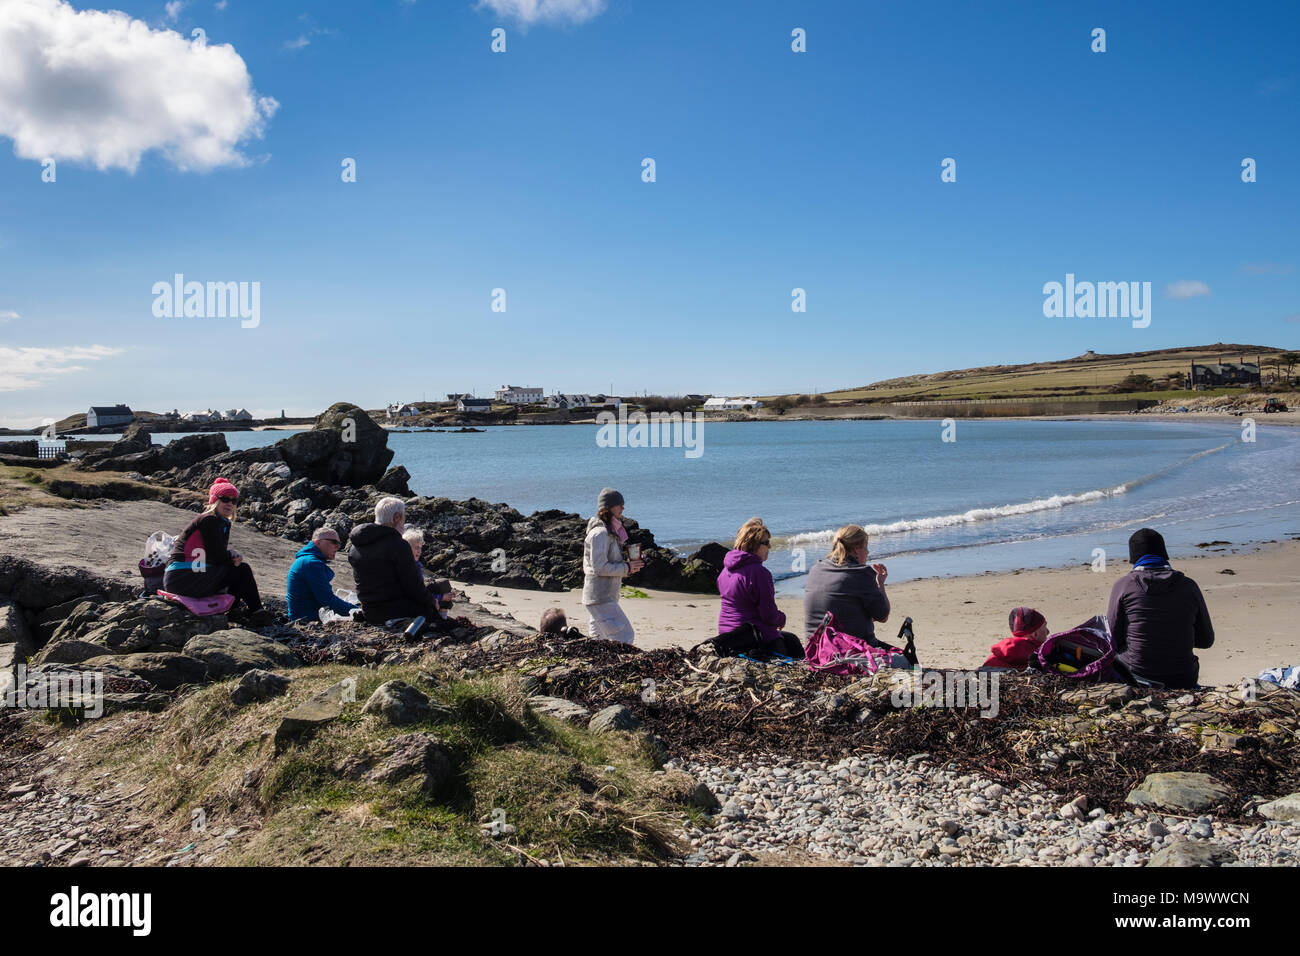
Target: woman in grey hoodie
[
  {"x": 603, "y": 570},
  {"x": 846, "y": 586}
]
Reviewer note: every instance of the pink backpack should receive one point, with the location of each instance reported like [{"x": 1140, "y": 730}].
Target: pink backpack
[{"x": 835, "y": 652}]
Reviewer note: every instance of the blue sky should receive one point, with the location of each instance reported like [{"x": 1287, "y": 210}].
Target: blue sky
[{"x": 775, "y": 170}]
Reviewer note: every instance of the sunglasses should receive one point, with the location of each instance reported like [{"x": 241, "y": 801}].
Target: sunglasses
[{"x": 226, "y": 499}]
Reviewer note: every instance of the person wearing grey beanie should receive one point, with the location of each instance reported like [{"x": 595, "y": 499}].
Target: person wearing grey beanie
[{"x": 603, "y": 568}]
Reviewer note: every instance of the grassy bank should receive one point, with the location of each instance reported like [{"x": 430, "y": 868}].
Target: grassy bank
[{"x": 571, "y": 795}]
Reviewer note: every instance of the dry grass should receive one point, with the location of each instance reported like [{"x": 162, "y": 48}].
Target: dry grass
[{"x": 550, "y": 779}]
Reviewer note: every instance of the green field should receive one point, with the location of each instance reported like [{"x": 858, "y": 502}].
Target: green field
[{"x": 1087, "y": 376}]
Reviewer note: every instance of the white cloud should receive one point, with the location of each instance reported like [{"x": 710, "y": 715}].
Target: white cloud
[
  {"x": 9, "y": 316},
  {"x": 104, "y": 88},
  {"x": 1186, "y": 289},
  {"x": 528, "y": 12},
  {"x": 22, "y": 368},
  {"x": 173, "y": 9},
  {"x": 305, "y": 38},
  {"x": 220, "y": 4},
  {"x": 1295, "y": 317}
]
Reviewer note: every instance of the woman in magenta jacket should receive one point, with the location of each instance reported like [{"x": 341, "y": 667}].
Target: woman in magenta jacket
[{"x": 749, "y": 593}]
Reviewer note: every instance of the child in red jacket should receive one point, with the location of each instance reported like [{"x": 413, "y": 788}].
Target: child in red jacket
[{"x": 1028, "y": 631}]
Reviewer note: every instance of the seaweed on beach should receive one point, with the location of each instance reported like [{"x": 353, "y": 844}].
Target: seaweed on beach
[{"x": 731, "y": 711}]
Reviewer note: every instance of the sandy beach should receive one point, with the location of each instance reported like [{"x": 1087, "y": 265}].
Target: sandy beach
[{"x": 956, "y": 619}]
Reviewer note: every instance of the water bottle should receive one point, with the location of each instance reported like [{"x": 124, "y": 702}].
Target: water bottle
[{"x": 415, "y": 627}]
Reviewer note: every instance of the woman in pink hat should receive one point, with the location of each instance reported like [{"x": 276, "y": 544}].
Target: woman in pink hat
[{"x": 202, "y": 563}]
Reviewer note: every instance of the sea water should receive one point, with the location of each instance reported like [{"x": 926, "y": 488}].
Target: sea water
[{"x": 1002, "y": 495}]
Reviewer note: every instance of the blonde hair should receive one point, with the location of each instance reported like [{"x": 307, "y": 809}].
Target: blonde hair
[
  {"x": 752, "y": 534},
  {"x": 846, "y": 540}
]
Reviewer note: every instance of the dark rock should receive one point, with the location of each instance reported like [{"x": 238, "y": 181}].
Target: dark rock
[
  {"x": 46, "y": 622},
  {"x": 398, "y": 758},
  {"x": 711, "y": 554},
  {"x": 311, "y": 714},
  {"x": 1185, "y": 853},
  {"x": 1286, "y": 808},
  {"x": 147, "y": 624},
  {"x": 559, "y": 707},
  {"x": 1180, "y": 791},
  {"x": 163, "y": 670},
  {"x": 71, "y": 651},
  {"x": 116, "y": 703},
  {"x": 20, "y": 449},
  {"x": 258, "y": 685},
  {"x": 36, "y": 587},
  {"x": 192, "y": 449},
  {"x": 399, "y": 703},
  {"x": 685, "y": 789},
  {"x": 614, "y": 717},
  {"x": 235, "y": 651},
  {"x": 15, "y": 630},
  {"x": 395, "y": 481}
]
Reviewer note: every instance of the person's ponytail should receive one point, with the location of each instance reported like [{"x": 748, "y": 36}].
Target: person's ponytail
[{"x": 847, "y": 540}]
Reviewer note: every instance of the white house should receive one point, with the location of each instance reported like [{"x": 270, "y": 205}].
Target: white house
[
  {"x": 100, "y": 415},
  {"x": 514, "y": 395},
  {"x": 474, "y": 405},
  {"x": 559, "y": 400},
  {"x": 722, "y": 403},
  {"x": 199, "y": 417},
  {"x": 239, "y": 415},
  {"x": 403, "y": 411}
]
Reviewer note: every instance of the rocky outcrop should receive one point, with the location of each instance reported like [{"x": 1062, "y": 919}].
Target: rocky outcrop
[
  {"x": 179, "y": 454},
  {"x": 335, "y": 473},
  {"x": 141, "y": 626},
  {"x": 166, "y": 671},
  {"x": 258, "y": 685},
  {"x": 15, "y": 631},
  {"x": 36, "y": 587},
  {"x": 237, "y": 651}
]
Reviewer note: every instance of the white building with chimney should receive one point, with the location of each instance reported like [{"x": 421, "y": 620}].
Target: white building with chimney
[{"x": 514, "y": 395}]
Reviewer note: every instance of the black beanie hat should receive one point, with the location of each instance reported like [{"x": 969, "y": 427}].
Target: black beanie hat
[{"x": 1143, "y": 542}]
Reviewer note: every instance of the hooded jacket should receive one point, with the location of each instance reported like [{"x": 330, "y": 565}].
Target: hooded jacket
[
  {"x": 849, "y": 591},
  {"x": 389, "y": 582},
  {"x": 603, "y": 567},
  {"x": 748, "y": 596},
  {"x": 205, "y": 538},
  {"x": 1157, "y": 617},
  {"x": 308, "y": 588}
]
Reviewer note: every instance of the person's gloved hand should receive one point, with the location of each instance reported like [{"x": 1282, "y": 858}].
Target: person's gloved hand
[{"x": 357, "y": 614}]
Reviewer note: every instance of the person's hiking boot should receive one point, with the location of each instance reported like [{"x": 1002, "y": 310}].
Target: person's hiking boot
[{"x": 262, "y": 617}]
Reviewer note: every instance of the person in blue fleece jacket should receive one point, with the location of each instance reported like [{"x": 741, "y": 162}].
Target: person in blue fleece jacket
[{"x": 309, "y": 587}]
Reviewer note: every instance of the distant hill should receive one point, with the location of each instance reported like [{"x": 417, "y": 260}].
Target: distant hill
[{"x": 1089, "y": 374}]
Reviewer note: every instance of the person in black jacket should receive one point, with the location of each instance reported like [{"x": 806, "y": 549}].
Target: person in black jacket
[
  {"x": 1158, "y": 616},
  {"x": 202, "y": 562},
  {"x": 389, "y": 583}
]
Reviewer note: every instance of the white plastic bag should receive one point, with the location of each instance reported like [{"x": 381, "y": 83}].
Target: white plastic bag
[
  {"x": 158, "y": 548},
  {"x": 327, "y": 615}
]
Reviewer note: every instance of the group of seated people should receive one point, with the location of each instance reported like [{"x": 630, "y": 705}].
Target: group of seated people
[
  {"x": 1157, "y": 615},
  {"x": 385, "y": 559}
]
